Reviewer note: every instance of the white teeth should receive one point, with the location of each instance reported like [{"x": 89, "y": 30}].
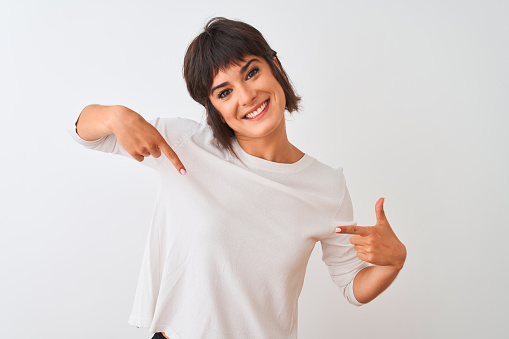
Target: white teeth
[{"x": 258, "y": 111}]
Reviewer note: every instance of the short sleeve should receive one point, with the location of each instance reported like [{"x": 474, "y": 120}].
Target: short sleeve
[
  {"x": 174, "y": 130},
  {"x": 339, "y": 254}
]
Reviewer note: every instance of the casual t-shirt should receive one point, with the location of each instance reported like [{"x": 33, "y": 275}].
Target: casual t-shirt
[{"x": 229, "y": 241}]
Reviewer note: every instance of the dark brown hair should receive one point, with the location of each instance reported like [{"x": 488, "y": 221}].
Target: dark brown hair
[{"x": 224, "y": 43}]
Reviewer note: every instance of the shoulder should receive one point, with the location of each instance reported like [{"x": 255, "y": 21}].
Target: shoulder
[
  {"x": 175, "y": 130},
  {"x": 176, "y": 125},
  {"x": 335, "y": 190},
  {"x": 334, "y": 180},
  {"x": 328, "y": 175}
]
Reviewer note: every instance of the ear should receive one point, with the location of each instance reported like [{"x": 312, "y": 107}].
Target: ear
[{"x": 276, "y": 61}]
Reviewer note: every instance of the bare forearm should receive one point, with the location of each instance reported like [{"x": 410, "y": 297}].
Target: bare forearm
[
  {"x": 372, "y": 281},
  {"x": 377, "y": 245},
  {"x": 94, "y": 121}
]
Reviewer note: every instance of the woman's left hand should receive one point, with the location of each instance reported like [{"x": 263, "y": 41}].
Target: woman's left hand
[{"x": 377, "y": 244}]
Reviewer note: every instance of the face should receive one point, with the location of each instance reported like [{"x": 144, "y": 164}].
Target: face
[{"x": 250, "y": 99}]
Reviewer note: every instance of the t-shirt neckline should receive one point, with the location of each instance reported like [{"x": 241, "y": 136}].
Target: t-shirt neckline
[{"x": 259, "y": 163}]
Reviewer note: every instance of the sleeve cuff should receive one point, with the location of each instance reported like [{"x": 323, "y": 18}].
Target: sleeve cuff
[
  {"x": 348, "y": 291},
  {"x": 350, "y": 296}
]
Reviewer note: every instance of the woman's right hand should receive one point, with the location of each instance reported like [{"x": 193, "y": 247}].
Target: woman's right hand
[{"x": 139, "y": 138}]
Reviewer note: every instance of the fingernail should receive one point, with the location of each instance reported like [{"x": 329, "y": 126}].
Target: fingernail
[
  {"x": 338, "y": 230},
  {"x": 182, "y": 171}
]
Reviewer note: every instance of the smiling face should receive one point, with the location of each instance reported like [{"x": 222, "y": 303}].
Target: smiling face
[{"x": 249, "y": 98}]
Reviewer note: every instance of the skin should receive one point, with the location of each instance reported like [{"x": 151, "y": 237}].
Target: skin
[
  {"x": 240, "y": 89},
  {"x": 243, "y": 91},
  {"x": 138, "y": 137},
  {"x": 377, "y": 245}
]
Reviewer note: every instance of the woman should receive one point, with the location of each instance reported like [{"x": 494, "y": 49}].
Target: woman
[{"x": 233, "y": 229}]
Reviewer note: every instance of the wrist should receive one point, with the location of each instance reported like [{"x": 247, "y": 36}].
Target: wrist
[
  {"x": 113, "y": 116},
  {"x": 398, "y": 265}
]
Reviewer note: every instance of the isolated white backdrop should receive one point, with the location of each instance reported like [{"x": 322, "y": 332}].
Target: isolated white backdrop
[{"x": 409, "y": 97}]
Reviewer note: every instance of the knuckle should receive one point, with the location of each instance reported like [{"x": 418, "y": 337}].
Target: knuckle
[{"x": 156, "y": 153}]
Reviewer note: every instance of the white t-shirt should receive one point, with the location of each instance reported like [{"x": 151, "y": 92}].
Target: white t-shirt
[{"x": 229, "y": 241}]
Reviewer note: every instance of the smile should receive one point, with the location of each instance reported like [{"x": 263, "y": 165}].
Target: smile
[{"x": 258, "y": 111}]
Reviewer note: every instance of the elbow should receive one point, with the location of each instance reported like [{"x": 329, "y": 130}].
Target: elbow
[{"x": 350, "y": 296}]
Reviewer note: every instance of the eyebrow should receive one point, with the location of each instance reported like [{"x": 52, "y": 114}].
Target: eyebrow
[
  {"x": 246, "y": 66},
  {"x": 242, "y": 70}
]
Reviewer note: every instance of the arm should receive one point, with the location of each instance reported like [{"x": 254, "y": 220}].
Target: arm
[
  {"x": 95, "y": 121},
  {"x": 137, "y": 136},
  {"x": 338, "y": 253},
  {"x": 380, "y": 246},
  {"x": 372, "y": 281}
]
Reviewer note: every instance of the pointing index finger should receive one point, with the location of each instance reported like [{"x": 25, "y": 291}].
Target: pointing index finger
[
  {"x": 352, "y": 229},
  {"x": 172, "y": 156}
]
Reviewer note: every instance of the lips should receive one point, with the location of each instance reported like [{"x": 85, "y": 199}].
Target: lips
[{"x": 254, "y": 113}]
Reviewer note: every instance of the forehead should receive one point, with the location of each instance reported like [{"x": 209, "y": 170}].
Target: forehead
[{"x": 235, "y": 68}]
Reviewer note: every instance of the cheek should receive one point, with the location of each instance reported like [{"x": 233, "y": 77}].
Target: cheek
[
  {"x": 281, "y": 95},
  {"x": 276, "y": 85},
  {"x": 225, "y": 109}
]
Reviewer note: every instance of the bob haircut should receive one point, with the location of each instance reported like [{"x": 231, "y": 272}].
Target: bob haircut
[{"x": 224, "y": 43}]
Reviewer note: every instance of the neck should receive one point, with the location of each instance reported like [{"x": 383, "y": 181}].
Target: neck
[{"x": 274, "y": 147}]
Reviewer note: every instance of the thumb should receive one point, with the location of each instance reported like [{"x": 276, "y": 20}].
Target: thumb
[{"x": 379, "y": 210}]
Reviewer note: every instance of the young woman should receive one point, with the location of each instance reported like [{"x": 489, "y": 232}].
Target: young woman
[{"x": 235, "y": 223}]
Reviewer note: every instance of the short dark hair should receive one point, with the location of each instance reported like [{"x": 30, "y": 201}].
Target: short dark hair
[{"x": 223, "y": 43}]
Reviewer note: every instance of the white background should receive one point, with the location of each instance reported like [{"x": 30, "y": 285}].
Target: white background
[{"x": 409, "y": 97}]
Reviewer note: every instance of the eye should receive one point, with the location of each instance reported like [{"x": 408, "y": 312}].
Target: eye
[
  {"x": 252, "y": 73},
  {"x": 224, "y": 94}
]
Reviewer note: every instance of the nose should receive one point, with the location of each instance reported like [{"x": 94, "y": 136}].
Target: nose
[{"x": 246, "y": 95}]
